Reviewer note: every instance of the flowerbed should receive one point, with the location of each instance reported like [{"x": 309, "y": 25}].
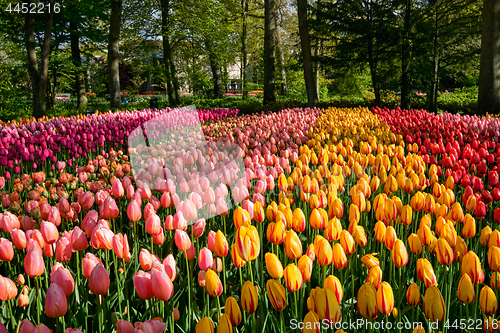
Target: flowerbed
[{"x": 333, "y": 216}]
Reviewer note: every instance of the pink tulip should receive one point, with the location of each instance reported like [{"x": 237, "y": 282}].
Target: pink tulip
[
  {"x": 151, "y": 326},
  {"x": 99, "y": 280},
  {"x": 170, "y": 268},
  {"x": 182, "y": 240},
  {"x": 117, "y": 189},
  {"x": 18, "y": 238},
  {"x": 110, "y": 209},
  {"x": 56, "y": 304},
  {"x": 153, "y": 225},
  {"x": 33, "y": 263},
  {"x": 211, "y": 241},
  {"x": 190, "y": 252},
  {"x": 88, "y": 264},
  {"x": 8, "y": 289},
  {"x": 49, "y": 232},
  {"x": 205, "y": 259},
  {"x": 86, "y": 200},
  {"x": 134, "y": 211},
  {"x": 64, "y": 205},
  {"x": 79, "y": 240},
  {"x": 179, "y": 222},
  {"x": 123, "y": 326},
  {"x": 162, "y": 285},
  {"x": 62, "y": 277},
  {"x": 145, "y": 259},
  {"x": 143, "y": 285},
  {"x": 6, "y": 250},
  {"x": 165, "y": 200},
  {"x": 188, "y": 210},
  {"x": 63, "y": 250},
  {"x": 199, "y": 227},
  {"x": 26, "y": 326},
  {"x": 120, "y": 245},
  {"x": 54, "y": 216}
]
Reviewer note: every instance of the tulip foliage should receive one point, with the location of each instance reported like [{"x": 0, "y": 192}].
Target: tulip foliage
[{"x": 337, "y": 215}]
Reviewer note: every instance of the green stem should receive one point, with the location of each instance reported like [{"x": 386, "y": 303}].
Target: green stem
[
  {"x": 189, "y": 291},
  {"x": 38, "y": 306},
  {"x": 224, "y": 287}
]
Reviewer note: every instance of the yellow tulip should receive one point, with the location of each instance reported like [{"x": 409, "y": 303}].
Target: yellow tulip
[
  {"x": 258, "y": 213},
  {"x": 212, "y": 283},
  {"x": 238, "y": 262},
  {"x": 367, "y": 301},
  {"x": 276, "y": 294},
  {"x": 466, "y": 291},
  {"x": 247, "y": 242},
  {"x": 249, "y": 297},
  {"x": 434, "y": 308},
  {"x": 494, "y": 258},
  {"x": 224, "y": 325},
  {"x": 399, "y": 254},
  {"x": 205, "y": 325},
  {"x": 293, "y": 277},
  {"x": 415, "y": 243},
  {"x": 347, "y": 242},
  {"x": 385, "y": 298},
  {"x": 232, "y": 310},
  {"x": 293, "y": 245},
  {"x": 425, "y": 272},
  {"x": 488, "y": 301},
  {"x": 324, "y": 302},
  {"x": 374, "y": 276},
  {"x": 311, "y": 323},
  {"x": 273, "y": 266},
  {"x": 444, "y": 252},
  {"x": 333, "y": 283},
  {"x": 472, "y": 266},
  {"x": 413, "y": 295},
  {"x": 305, "y": 265},
  {"x": 241, "y": 217}
]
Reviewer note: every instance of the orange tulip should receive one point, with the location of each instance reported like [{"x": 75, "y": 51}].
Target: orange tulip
[
  {"x": 484, "y": 238},
  {"x": 323, "y": 251},
  {"x": 221, "y": 247},
  {"x": 415, "y": 243},
  {"x": 276, "y": 232},
  {"x": 205, "y": 325},
  {"x": 347, "y": 242},
  {"x": 316, "y": 220},
  {"x": 425, "y": 272},
  {"x": 224, "y": 324},
  {"x": 323, "y": 301},
  {"x": 258, "y": 213},
  {"x": 380, "y": 231},
  {"x": 241, "y": 217},
  {"x": 305, "y": 265},
  {"x": 238, "y": 262},
  {"x": 406, "y": 215},
  {"x": 444, "y": 252},
  {"x": 273, "y": 265},
  {"x": 390, "y": 237},
  {"x": 370, "y": 260},
  {"x": 293, "y": 246},
  {"x": 339, "y": 257},
  {"x": 311, "y": 323},
  {"x": 472, "y": 266},
  {"x": 374, "y": 276}
]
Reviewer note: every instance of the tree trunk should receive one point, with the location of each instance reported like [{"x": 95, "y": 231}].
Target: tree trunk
[
  {"x": 489, "y": 74},
  {"x": 269, "y": 53},
  {"x": 81, "y": 100},
  {"x": 312, "y": 94},
  {"x": 165, "y": 4},
  {"x": 38, "y": 77},
  {"x": 216, "y": 70},
  {"x": 433, "y": 95},
  {"x": 113, "y": 54},
  {"x": 244, "y": 90},
  {"x": 405, "y": 59},
  {"x": 175, "y": 82},
  {"x": 373, "y": 72},
  {"x": 54, "y": 91},
  {"x": 281, "y": 61}
]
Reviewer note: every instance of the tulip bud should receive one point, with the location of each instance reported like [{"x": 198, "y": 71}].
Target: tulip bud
[
  {"x": 276, "y": 294},
  {"x": 434, "y": 308},
  {"x": 413, "y": 295},
  {"x": 466, "y": 291},
  {"x": 232, "y": 310},
  {"x": 367, "y": 301},
  {"x": 488, "y": 301},
  {"x": 249, "y": 297}
]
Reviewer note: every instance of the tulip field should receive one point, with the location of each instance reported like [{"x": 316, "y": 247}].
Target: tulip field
[{"x": 336, "y": 220}]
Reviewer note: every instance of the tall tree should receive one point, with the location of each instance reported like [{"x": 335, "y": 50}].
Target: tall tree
[
  {"x": 244, "y": 11},
  {"x": 281, "y": 55},
  {"x": 405, "y": 57},
  {"x": 77, "y": 62},
  {"x": 215, "y": 67},
  {"x": 312, "y": 94},
  {"x": 113, "y": 54},
  {"x": 167, "y": 56},
  {"x": 489, "y": 76},
  {"x": 38, "y": 77},
  {"x": 269, "y": 51}
]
